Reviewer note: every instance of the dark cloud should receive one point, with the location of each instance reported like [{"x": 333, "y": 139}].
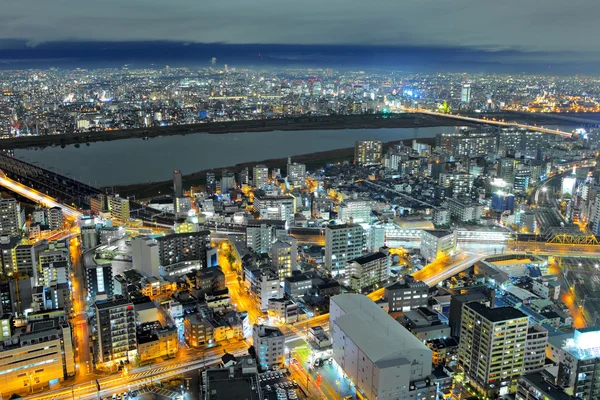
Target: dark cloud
[{"x": 549, "y": 26}]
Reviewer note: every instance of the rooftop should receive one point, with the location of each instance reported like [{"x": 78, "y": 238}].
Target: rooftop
[
  {"x": 497, "y": 314},
  {"x": 438, "y": 233},
  {"x": 370, "y": 258}
]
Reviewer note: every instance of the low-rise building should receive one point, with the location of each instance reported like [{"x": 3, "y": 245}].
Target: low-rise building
[
  {"x": 437, "y": 243},
  {"x": 157, "y": 342},
  {"x": 269, "y": 344},
  {"x": 284, "y": 311},
  {"x": 406, "y": 296},
  {"x": 368, "y": 270}
]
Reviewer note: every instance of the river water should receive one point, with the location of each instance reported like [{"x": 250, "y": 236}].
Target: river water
[{"x": 130, "y": 161}]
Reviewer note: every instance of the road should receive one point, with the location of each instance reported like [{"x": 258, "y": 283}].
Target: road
[
  {"x": 81, "y": 332},
  {"x": 38, "y": 197}
]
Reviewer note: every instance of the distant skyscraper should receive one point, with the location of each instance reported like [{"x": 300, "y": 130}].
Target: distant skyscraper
[
  {"x": 177, "y": 184},
  {"x": 367, "y": 152},
  {"x": 465, "y": 93}
]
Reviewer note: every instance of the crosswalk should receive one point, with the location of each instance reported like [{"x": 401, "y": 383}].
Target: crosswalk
[{"x": 163, "y": 392}]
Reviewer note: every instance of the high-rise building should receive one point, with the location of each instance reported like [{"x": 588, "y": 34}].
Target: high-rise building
[
  {"x": 211, "y": 183},
  {"x": 11, "y": 218},
  {"x": 296, "y": 173},
  {"x": 99, "y": 280},
  {"x": 381, "y": 357},
  {"x": 535, "y": 349},
  {"x": 580, "y": 364},
  {"x": 260, "y": 176},
  {"x": 342, "y": 243},
  {"x": 368, "y": 152},
  {"x": 177, "y": 184},
  {"x": 178, "y": 247},
  {"x": 261, "y": 234},
  {"x": 55, "y": 218},
  {"x": 116, "y": 335},
  {"x": 492, "y": 348},
  {"x": 467, "y": 143},
  {"x": 456, "y": 182},
  {"x": 144, "y": 256},
  {"x": 119, "y": 209},
  {"x": 284, "y": 255},
  {"x": 275, "y": 207},
  {"x": 465, "y": 93},
  {"x": 269, "y": 344},
  {"x": 227, "y": 181}
]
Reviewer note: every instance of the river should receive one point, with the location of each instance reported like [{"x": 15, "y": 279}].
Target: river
[{"x": 130, "y": 161}]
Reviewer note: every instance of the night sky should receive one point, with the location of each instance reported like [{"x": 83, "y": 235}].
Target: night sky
[{"x": 476, "y": 35}]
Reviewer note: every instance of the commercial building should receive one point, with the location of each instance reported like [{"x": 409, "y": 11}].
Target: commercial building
[
  {"x": 269, "y": 344},
  {"x": 369, "y": 270},
  {"x": 119, "y": 209},
  {"x": 261, "y": 234},
  {"x": 239, "y": 381},
  {"x": 368, "y": 152},
  {"x": 260, "y": 176},
  {"x": 405, "y": 296},
  {"x": 145, "y": 256},
  {"x": 116, "y": 330},
  {"x": 383, "y": 359},
  {"x": 354, "y": 211},
  {"x": 502, "y": 201},
  {"x": 35, "y": 355},
  {"x": 437, "y": 243},
  {"x": 157, "y": 342},
  {"x": 285, "y": 311},
  {"x": 342, "y": 243},
  {"x": 12, "y": 217},
  {"x": 492, "y": 348}
]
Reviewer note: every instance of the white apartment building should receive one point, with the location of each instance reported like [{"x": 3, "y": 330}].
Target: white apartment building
[
  {"x": 354, "y": 210},
  {"x": 284, "y": 254},
  {"x": 11, "y": 217},
  {"x": 464, "y": 211},
  {"x": 145, "y": 256},
  {"x": 261, "y": 234},
  {"x": 296, "y": 174},
  {"x": 260, "y": 176},
  {"x": 368, "y": 270},
  {"x": 437, "y": 243},
  {"x": 381, "y": 357},
  {"x": 269, "y": 344},
  {"x": 342, "y": 243}
]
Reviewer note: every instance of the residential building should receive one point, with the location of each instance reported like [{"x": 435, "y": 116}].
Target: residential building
[
  {"x": 119, "y": 209},
  {"x": 206, "y": 281},
  {"x": 383, "y": 359},
  {"x": 546, "y": 287},
  {"x": 539, "y": 386},
  {"x": 284, "y": 311},
  {"x": 284, "y": 255},
  {"x": 437, "y": 243},
  {"x": 264, "y": 283},
  {"x": 208, "y": 327},
  {"x": 580, "y": 363},
  {"x": 260, "y": 177},
  {"x": 99, "y": 279},
  {"x": 178, "y": 247},
  {"x": 116, "y": 335},
  {"x": 369, "y": 270},
  {"x": 342, "y": 243},
  {"x": 157, "y": 342},
  {"x": 535, "y": 349},
  {"x": 55, "y": 218},
  {"x": 177, "y": 184},
  {"x": 12, "y": 217},
  {"x": 405, "y": 296},
  {"x": 275, "y": 207},
  {"x": 296, "y": 174},
  {"x": 456, "y": 183},
  {"x": 464, "y": 211},
  {"x": 261, "y": 234},
  {"x": 269, "y": 344},
  {"x": 368, "y": 152},
  {"x": 354, "y": 211},
  {"x": 227, "y": 181},
  {"x": 296, "y": 286},
  {"x": 37, "y": 354},
  {"x": 492, "y": 348},
  {"x": 458, "y": 301}
]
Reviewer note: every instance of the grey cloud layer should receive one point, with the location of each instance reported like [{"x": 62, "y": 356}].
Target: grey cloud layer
[{"x": 525, "y": 25}]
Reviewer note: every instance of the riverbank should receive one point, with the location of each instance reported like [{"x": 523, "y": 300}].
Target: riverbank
[{"x": 312, "y": 161}]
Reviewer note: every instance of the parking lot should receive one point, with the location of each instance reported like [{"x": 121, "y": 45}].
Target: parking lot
[{"x": 277, "y": 385}]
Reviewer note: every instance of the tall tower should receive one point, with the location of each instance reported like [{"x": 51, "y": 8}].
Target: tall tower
[
  {"x": 177, "y": 184},
  {"x": 465, "y": 93}
]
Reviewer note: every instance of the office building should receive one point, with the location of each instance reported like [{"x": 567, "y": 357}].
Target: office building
[
  {"x": 99, "y": 279},
  {"x": 354, "y": 211},
  {"x": 296, "y": 286},
  {"x": 296, "y": 174},
  {"x": 580, "y": 364},
  {"x": 383, "y": 359},
  {"x": 342, "y": 243},
  {"x": 368, "y": 152},
  {"x": 119, "y": 209},
  {"x": 260, "y": 177},
  {"x": 261, "y": 234},
  {"x": 465, "y": 94},
  {"x": 12, "y": 217},
  {"x": 437, "y": 243},
  {"x": 369, "y": 270},
  {"x": 179, "y": 247},
  {"x": 239, "y": 381},
  {"x": 145, "y": 256},
  {"x": 405, "y": 296},
  {"x": 269, "y": 344},
  {"x": 37, "y": 354},
  {"x": 284, "y": 255},
  {"x": 502, "y": 201},
  {"x": 116, "y": 335},
  {"x": 177, "y": 184},
  {"x": 492, "y": 348}
]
